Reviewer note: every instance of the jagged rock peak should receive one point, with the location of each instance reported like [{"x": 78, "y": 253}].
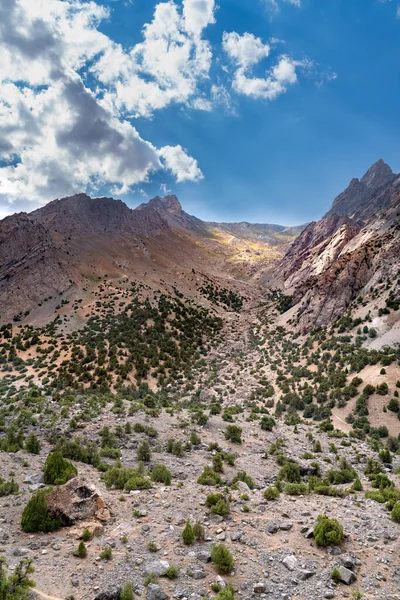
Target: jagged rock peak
[
  {"x": 169, "y": 203},
  {"x": 378, "y": 174}
]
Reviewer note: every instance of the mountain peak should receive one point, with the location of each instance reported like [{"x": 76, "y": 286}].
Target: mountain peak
[
  {"x": 169, "y": 204},
  {"x": 378, "y": 174}
]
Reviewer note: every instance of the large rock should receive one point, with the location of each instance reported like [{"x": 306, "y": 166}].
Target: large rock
[
  {"x": 346, "y": 576},
  {"x": 77, "y": 500},
  {"x": 111, "y": 594},
  {"x": 155, "y": 592}
]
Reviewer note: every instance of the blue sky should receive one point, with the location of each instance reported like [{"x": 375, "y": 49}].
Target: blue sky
[{"x": 267, "y": 132}]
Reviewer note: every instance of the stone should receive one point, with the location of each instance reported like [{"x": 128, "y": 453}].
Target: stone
[
  {"x": 346, "y": 576},
  {"x": 159, "y": 567},
  {"x": 110, "y": 594},
  {"x": 259, "y": 588},
  {"x": 34, "y": 479},
  {"x": 272, "y": 527},
  {"x": 290, "y": 562},
  {"x": 203, "y": 555},
  {"x": 242, "y": 487},
  {"x": 155, "y": 592},
  {"x": 76, "y": 500},
  {"x": 237, "y": 535}
]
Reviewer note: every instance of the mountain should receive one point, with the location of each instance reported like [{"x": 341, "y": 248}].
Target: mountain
[
  {"x": 343, "y": 255},
  {"x": 363, "y": 198}
]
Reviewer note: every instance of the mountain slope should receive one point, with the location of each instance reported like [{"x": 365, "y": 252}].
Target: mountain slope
[{"x": 363, "y": 198}]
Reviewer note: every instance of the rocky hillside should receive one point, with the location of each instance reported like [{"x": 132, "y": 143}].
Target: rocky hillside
[
  {"x": 366, "y": 196},
  {"x": 338, "y": 258}
]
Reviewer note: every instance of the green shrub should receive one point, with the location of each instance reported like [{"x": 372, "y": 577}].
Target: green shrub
[
  {"x": 198, "y": 531},
  {"x": 81, "y": 551},
  {"x": 295, "y": 489},
  {"x": 106, "y": 553},
  {"x": 395, "y": 514},
  {"x": 242, "y": 476},
  {"x": 328, "y": 531},
  {"x": 35, "y": 516},
  {"x": 233, "y": 433},
  {"x": 290, "y": 472},
  {"x": 227, "y": 593},
  {"x": 127, "y": 591},
  {"x": 271, "y": 493},
  {"x": 16, "y": 585},
  {"x": 57, "y": 470},
  {"x": 152, "y": 547},
  {"x": 188, "y": 534},
  {"x": 209, "y": 477},
  {"x": 222, "y": 559},
  {"x": 172, "y": 572},
  {"x": 336, "y": 575},
  {"x": 32, "y": 444},
  {"x": 267, "y": 423},
  {"x": 161, "y": 474},
  {"x": 217, "y": 462},
  {"x": 86, "y": 536},
  {"x": 7, "y": 488},
  {"x": 143, "y": 451}
]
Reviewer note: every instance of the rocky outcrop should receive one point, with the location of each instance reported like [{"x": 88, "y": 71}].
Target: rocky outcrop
[
  {"x": 76, "y": 500},
  {"x": 365, "y": 197}
]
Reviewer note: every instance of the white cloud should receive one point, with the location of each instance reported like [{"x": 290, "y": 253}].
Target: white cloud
[
  {"x": 246, "y": 51},
  {"x": 57, "y": 136},
  {"x": 275, "y": 4},
  {"x": 166, "y": 67},
  {"x": 183, "y": 166}
]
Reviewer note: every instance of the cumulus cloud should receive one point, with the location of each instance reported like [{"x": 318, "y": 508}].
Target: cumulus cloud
[
  {"x": 245, "y": 52},
  {"x": 183, "y": 166},
  {"x": 57, "y": 135}
]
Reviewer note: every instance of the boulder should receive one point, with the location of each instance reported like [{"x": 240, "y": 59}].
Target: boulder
[
  {"x": 111, "y": 594},
  {"x": 76, "y": 500},
  {"x": 290, "y": 562},
  {"x": 346, "y": 576},
  {"x": 159, "y": 567},
  {"x": 155, "y": 592}
]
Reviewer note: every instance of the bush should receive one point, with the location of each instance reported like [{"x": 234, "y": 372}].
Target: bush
[
  {"x": 57, "y": 470},
  {"x": 188, "y": 534},
  {"x": 328, "y": 531},
  {"x": 7, "y": 488},
  {"x": 32, "y": 444},
  {"x": 234, "y": 434},
  {"x": 267, "y": 423},
  {"x": 35, "y": 516},
  {"x": 227, "y": 593},
  {"x": 336, "y": 575},
  {"x": 16, "y": 586},
  {"x": 209, "y": 477},
  {"x": 86, "y": 536},
  {"x": 161, "y": 474},
  {"x": 106, "y": 553},
  {"x": 242, "y": 476},
  {"x": 143, "y": 451},
  {"x": 127, "y": 591},
  {"x": 81, "y": 551},
  {"x": 395, "y": 514},
  {"x": 222, "y": 559},
  {"x": 271, "y": 493},
  {"x": 290, "y": 472},
  {"x": 172, "y": 572},
  {"x": 198, "y": 531},
  {"x": 295, "y": 489}
]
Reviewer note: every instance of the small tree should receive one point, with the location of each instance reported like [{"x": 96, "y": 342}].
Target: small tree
[
  {"x": 222, "y": 558},
  {"x": 81, "y": 551},
  {"x": 35, "y": 516},
  {"x": 395, "y": 514},
  {"x": 161, "y": 474},
  {"x": 127, "y": 591},
  {"x": 234, "y": 434},
  {"x": 32, "y": 444},
  {"x": 57, "y": 470},
  {"x": 144, "y": 452},
  {"x": 17, "y": 585},
  {"x": 328, "y": 531},
  {"x": 188, "y": 534}
]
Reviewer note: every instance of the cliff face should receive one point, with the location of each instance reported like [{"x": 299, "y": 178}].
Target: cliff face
[
  {"x": 334, "y": 260},
  {"x": 363, "y": 198},
  {"x": 32, "y": 266}
]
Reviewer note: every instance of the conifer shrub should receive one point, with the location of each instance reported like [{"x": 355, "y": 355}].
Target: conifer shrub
[
  {"x": 32, "y": 444},
  {"x": 209, "y": 477},
  {"x": 222, "y": 559},
  {"x": 81, "y": 551},
  {"x": 127, "y": 591},
  {"x": 57, "y": 470},
  {"x": 161, "y": 474},
  {"x": 188, "y": 534},
  {"x": 271, "y": 493},
  {"x": 233, "y": 433},
  {"x": 395, "y": 514},
  {"x": 36, "y": 517},
  {"x": 328, "y": 531}
]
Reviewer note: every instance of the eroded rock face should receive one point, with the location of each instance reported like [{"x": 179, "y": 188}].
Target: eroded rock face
[{"x": 77, "y": 500}]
